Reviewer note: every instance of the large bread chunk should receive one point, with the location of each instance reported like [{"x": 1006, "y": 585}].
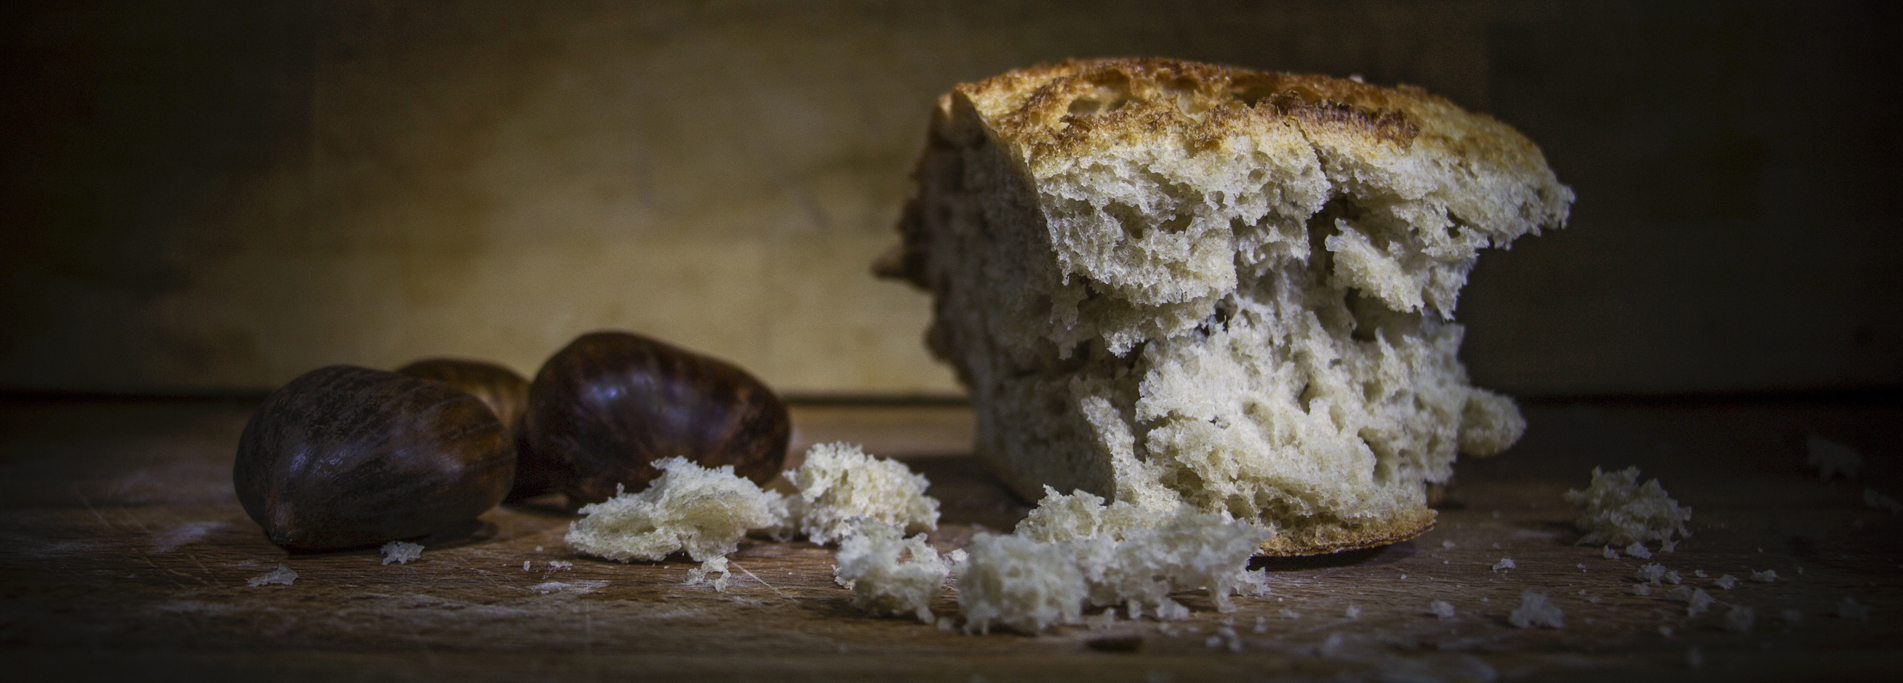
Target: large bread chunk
[{"x": 1167, "y": 282}]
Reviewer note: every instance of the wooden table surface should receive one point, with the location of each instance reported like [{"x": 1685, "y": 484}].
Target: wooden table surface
[{"x": 123, "y": 553}]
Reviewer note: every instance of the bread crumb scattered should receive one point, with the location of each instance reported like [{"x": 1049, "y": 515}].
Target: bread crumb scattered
[
  {"x": 703, "y": 512},
  {"x": 1726, "y": 582},
  {"x": 283, "y": 576},
  {"x": 1353, "y": 612},
  {"x": 1651, "y": 573},
  {"x": 1534, "y": 610},
  {"x": 1609, "y": 553},
  {"x": 1642, "y": 589},
  {"x": 1696, "y": 599},
  {"x": 1674, "y": 578},
  {"x": 888, "y": 573},
  {"x": 1620, "y": 511},
  {"x": 1740, "y": 618},
  {"x": 1880, "y": 501},
  {"x": 401, "y": 552},
  {"x": 1700, "y": 573},
  {"x": 1832, "y": 458},
  {"x": 1504, "y": 563},
  {"x": 1849, "y": 609},
  {"x": 577, "y": 588},
  {"x": 1638, "y": 550},
  {"x": 1766, "y": 576},
  {"x": 525, "y": 565},
  {"x": 560, "y": 565},
  {"x": 1446, "y": 545},
  {"x": 1442, "y": 609},
  {"x": 1287, "y": 613},
  {"x": 839, "y": 482}
]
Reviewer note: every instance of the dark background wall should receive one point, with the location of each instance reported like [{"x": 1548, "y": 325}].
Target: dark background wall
[{"x": 206, "y": 196}]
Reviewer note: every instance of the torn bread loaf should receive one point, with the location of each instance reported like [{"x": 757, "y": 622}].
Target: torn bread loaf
[
  {"x": 1167, "y": 282},
  {"x": 700, "y": 511}
]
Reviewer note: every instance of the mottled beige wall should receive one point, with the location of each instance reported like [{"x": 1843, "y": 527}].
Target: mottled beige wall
[{"x": 224, "y": 195}]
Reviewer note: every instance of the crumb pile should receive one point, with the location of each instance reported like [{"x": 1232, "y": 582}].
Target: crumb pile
[
  {"x": 1620, "y": 511},
  {"x": 888, "y": 573},
  {"x": 839, "y": 482},
  {"x": 1074, "y": 551},
  {"x": 703, "y": 512}
]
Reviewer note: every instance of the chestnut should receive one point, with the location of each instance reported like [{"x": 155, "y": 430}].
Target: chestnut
[
  {"x": 610, "y": 403},
  {"x": 506, "y": 393},
  {"x": 345, "y": 456}
]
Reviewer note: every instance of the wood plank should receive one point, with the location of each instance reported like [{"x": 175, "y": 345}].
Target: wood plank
[{"x": 123, "y": 552}]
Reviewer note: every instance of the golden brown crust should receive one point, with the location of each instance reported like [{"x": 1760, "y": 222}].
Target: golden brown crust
[
  {"x": 1072, "y": 108},
  {"x": 1333, "y": 538}
]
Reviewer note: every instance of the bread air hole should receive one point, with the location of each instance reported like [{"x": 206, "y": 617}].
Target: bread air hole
[{"x": 1094, "y": 105}]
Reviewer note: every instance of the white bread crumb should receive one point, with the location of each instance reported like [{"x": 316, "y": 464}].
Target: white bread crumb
[
  {"x": 1849, "y": 609},
  {"x": 1442, "y": 609},
  {"x": 1015, "y": 582},
  {"x": 1609, "y": 553},
  {"x": 1638, "y": 550},
  {"x": 1504, "y": 563},
  {"x": 1726, "y": 582},
  {"x": 401, "y": 552},
  {"x": 1766, "y": 576},
  {"x": 1651, "y": 573},
  {"x": 1620, "y": 511},
  {"x": 1642, "y": 589},
  {"x": 1699, "y": 602},
  {"x": 839, "y": 482},
  {"x": 282, "y": 576},
  {"x": 888, "y": 573},
  {"x": 703, "y": 512},
  {"x": 1534, "y": 610},
  {"x": 1073, "y": 550},
  {"x": 1740, "y": 618},
  {"x": 1353, "y": 612},
  {"x": 1880, "y": 501},
  {"x": 1832, "y": 458}
]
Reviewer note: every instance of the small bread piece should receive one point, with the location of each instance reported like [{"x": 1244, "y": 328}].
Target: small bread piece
[
  {"x": 839, "y": 482},
  {"x": 1616, "y": 509},
  {"x": 888, "y": 573},
  {"x": 1167, "y": 282},
  {"x": 1073, "y": 551},
  {"x": 703, "y": 512}
]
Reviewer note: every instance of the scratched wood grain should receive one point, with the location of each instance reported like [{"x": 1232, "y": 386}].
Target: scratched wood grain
[{"x": 124, "y": 554}]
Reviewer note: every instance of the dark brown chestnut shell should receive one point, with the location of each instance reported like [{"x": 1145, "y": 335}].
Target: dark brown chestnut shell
[
  {"x": 506, "y": 393},
  {"x": 345, "y": 456},
  {"x": 503, "y": 390},
  {"x": 610, "y": 403}
]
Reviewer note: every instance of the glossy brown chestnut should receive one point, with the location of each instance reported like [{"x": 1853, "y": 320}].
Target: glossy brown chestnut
[
  {"x": 610, "y": 403},
  {"x": 506, "y": 393},
  {"x": 346, "y": 456}
]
